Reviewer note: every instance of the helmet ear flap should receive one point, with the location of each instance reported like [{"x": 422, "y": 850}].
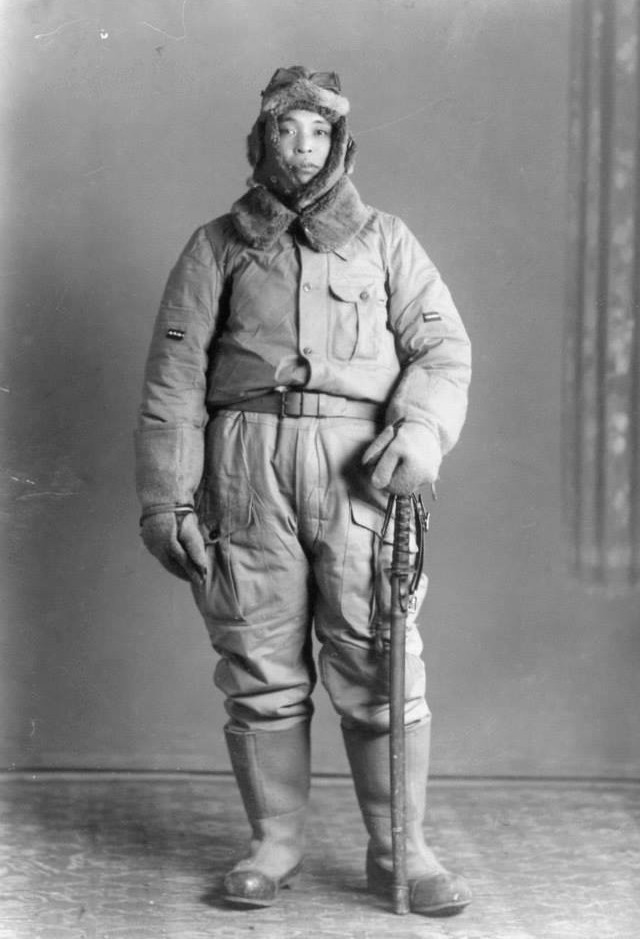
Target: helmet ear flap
[
  {"x": 255, "y": 144},
  {"x": 350, "y": 156}
]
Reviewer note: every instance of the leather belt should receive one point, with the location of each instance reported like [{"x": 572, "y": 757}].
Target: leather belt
[{"x": 288, "y": 402}]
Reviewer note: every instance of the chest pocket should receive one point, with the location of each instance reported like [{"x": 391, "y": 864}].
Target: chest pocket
[{"x": 359, "y": 319}]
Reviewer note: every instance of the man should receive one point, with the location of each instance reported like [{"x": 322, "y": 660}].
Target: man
[{"x": 307, "y": 360}]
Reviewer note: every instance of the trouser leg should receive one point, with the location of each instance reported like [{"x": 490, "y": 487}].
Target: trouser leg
[
  {"x": 256, "y": 603},
  {"x": 351, "y": 566}
]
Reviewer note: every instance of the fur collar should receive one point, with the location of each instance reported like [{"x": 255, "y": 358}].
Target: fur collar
[{"x": 260, "y": 217}]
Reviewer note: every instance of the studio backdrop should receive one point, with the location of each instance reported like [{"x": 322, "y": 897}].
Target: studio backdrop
[{"x": 123, "y": 129}]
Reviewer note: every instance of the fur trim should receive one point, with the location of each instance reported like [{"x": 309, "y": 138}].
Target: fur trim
[
  {"x": 330, "y": 222},
  {"x": 260, "y": 218},
  {"x": 304, "y": 93},
  {"x": 335, "y": 218}
]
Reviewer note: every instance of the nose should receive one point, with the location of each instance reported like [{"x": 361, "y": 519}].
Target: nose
[{"x": 303, "y": 143}]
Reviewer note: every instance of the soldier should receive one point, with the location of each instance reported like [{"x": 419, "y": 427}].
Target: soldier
[{"x": 307, "y": 360}]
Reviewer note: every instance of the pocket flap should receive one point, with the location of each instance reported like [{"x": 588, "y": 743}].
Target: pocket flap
[
  {"x": 372, "y": 517},
  {"x": 352, "y": 292},
  {"x": 221, "y": 521}
]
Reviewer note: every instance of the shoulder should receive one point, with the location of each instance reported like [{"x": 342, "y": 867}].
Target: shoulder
[
  {"x": 211, "y": 242},
  {"x": 396, "y": 241},
  {"x": 389, "y": 227}
]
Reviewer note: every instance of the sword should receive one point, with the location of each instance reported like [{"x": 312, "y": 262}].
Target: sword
[{"x": 406, "y": 579}]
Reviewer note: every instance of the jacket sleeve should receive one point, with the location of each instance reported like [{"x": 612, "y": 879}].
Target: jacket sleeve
[
  {"x": 432, "y": 344},
  {"x": 169, "y": 440}
]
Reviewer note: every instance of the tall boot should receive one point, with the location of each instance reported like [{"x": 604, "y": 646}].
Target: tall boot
[
  {"x": 272, "y": 772},
  {"x": 433, "y": 890}
]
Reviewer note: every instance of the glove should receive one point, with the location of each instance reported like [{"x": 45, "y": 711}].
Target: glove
[
  {"x": 175, "y": 540},
  {"x": 403, "y": 457}
]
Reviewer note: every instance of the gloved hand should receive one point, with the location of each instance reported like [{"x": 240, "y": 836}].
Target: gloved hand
[
  {"x": 175, "y": 540},
  {"x": 403, "y": 457}
]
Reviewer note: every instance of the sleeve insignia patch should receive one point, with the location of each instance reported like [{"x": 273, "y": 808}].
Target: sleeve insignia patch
[{"x": 176, "y": 334}]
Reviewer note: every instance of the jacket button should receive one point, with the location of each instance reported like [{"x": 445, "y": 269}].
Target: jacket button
[
  {"x": 307, "y": 350},
  {"x": 364, "y": 295},
  {"x": 306, "y": 287}
]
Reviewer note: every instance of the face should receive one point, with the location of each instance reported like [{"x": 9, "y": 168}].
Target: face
[{"x": 305, "y": 142}]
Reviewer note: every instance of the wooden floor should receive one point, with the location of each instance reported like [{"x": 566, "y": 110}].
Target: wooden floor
[{"x": 110, "y": 856}]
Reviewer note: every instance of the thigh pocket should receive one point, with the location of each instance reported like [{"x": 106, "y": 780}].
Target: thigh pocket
[
  {"x": 226, "y": 529},
  {"x": 365, "y": 582},
  {"x": 368, "y": 561}
]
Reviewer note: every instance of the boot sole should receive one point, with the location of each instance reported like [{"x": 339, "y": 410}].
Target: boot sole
[
  {"x": 380, "y": 883},
  {"x": 450, "y": 909},
  {"x": 446, "y": 909},
  {"x": 289, "y": 880}
]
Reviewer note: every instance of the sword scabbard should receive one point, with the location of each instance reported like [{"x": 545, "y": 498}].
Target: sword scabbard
[{"x": 400, "y": 577}]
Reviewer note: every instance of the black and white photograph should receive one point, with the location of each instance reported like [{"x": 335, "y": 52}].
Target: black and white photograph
[{"x": 320, "y": 394}]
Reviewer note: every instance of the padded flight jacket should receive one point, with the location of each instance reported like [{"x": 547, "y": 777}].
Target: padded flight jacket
[{"x": 371, "y": 320}]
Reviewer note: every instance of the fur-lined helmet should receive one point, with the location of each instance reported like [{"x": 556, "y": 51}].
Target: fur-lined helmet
[{"x": 299, "y": 88}]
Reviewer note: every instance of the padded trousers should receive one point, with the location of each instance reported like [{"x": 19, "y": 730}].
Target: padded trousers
[{"x": 293, "y": 529}]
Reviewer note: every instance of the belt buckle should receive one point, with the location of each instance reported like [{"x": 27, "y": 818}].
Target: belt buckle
[
  {"x": 283, "y": 391},
  {"x": 302, "y": 399}
]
